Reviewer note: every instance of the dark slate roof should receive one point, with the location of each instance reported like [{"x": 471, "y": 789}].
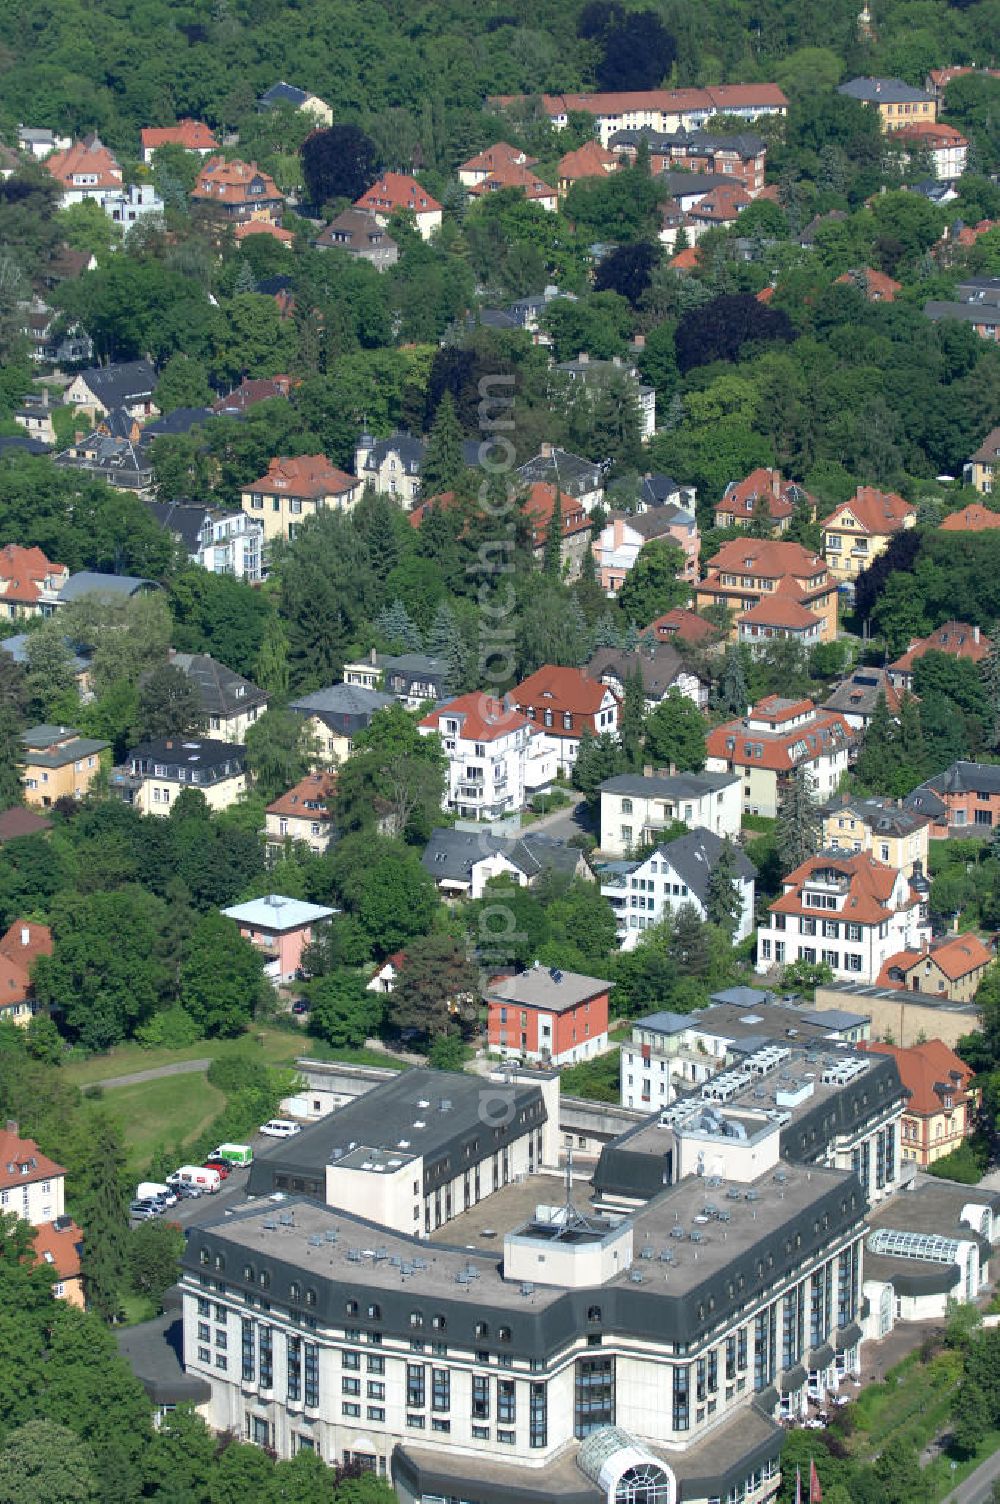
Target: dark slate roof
[
  {"x": 966, "y": 313},
  {"x": 664, "y": 1022},
  {"x": 189, "y": 752},
  {"x": 658, "y": 662},
  {"x": 21, "y": 443},
  {"x": 409, "y": 449},
  {"x": 574, "y": 473},
  {"x": 17, "y": 647},
  {"x": 450, "y": 854},
  {"x": 883, "y": 91},
  {"x": 493, "y": 318},
  {"x": 859, "y": 692},
  {"x": 118, "y": 384},
  {"x": 658, "y": 489},
  {"x": 668, "y": 785},
  {"x": 884, "y": 816},
  {"x": 270, "y": 286},
  {"x": 338, "y": 701},
  {"x": 282, "y": 93},
  {"x": 961, "y": 778},
  {"x": 221, "y": 690},
  {"x": 657, "y": 522},
  {"x": 693, "y": 856},
  {"x": 683, "y": 184},
  {"x": 181, "y": 420},
  {"x": 746, "y": 143},
  {"x": 185, "y": 519},
  {"x": 88, "y": 582},
  {"x": 154, "y": 1350}
]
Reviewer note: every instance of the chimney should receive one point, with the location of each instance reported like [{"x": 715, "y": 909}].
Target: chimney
[
  {"x": 373, "y": 657},
  {"x": 25, "y": 935},
  {"x": 639, "y": 342},
  {"x": 775, "y": 483},
  {"x": 12, "y": 1126},
  {"x": 583, "y": 357},
  {"x": 546, "y": 451},
  {"x": 975, "y": 634}
]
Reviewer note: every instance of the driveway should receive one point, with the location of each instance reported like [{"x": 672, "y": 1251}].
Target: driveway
[{"x": 562, "y": 824}]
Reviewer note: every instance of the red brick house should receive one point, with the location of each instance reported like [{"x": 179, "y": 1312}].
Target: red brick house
[
  {"x": 964, "y": 800},
  {"x": 563, "y": 703},
  {"x": 555, "y": 1017}
]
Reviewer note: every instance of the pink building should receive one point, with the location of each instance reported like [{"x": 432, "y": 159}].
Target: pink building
[
  {"x": 625, "y": 534},
  {"x": 281, "y": 928}
]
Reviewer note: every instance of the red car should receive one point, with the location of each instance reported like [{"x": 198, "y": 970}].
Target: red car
[{"x": 222, "y": 1165}]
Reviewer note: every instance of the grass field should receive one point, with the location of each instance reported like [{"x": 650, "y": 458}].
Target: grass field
[{"x": 173, "y": 1110}]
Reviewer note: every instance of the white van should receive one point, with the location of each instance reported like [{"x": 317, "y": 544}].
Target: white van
[
  {"x": 279, "y": 1128},
  {"x": 152, "y": 1190},
  {"x": 204, "y": 1179}
]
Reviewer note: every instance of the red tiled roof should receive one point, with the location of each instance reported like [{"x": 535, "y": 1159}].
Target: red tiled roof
[
  {"x": 741, "y": 496},
  {"x": 766, "y": 558},
  {"x": 971, "y": 519},
  {"x": 869, "y": 891},
  {"x": 878, "y": 512},
  {"x": 721, "y": 205},
  {"x": 956, "y": 638},
  {"x": 561, "y": 690},
  {"x": 88, "y": 157},
  {"x": 878, "y": 288},
  {"x": 397, "y": 190},
  {"x": 16, "y": 1153},
  {"x": 930, "y": 133},
  {"x": 765, "y": 295},
  {"x": 263, "y": 227},
  {"x": 193, "y": 135},
  {"x": 780, "y": 750},
  {"x": 956, "y": 956},
  {"x": 671, "y": 101},
  {"x": 540, "y": 505},
  {"x": 25, "y": 571},
  {"x": 499, "y": 155},
  {"x": 253, "y": 390},
  {"x": 222, "y": 182},
  {"x": 686, "y": 260},
  {"x": 305, "y": 475},
  {"x": 969, "y": 234},
  {"x": 687, "y": 625},
  {"x": 17, "y": 822},
  {"x": 61, "y": 1246},
  {"x": 591, "y": 160},
  {"x": 922, "y": 1067},
  {"x": 307, "y": 799},
  {"x": 25, "y": 940},
  {"x": 483, "y": 717},
  {"x": 780, "y": 610},
  {"x": 512, "y": 175}
]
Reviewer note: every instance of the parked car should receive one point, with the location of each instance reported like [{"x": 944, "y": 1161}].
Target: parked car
[
  {"x": 222, "y": 1165},
  {"x": 142, "y": 1211},
  {"x": 279, "y": 1128},
  {"x": 188, "y": 1192},
  {"x": 152, "y": 1190},
  {"x": 300, "y": 1005}
]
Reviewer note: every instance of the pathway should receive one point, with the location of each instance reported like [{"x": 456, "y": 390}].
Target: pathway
[
  {"x": 978, "y": 1486},
  {"x": 178, "y": 1068}
]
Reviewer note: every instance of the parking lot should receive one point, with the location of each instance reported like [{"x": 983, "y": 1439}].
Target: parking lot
[{"x": 197, "y": 1210}]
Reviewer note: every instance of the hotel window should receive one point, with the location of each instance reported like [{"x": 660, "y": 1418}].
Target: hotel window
[
  {"x": 594, "y": 1395},
  {"x": 350, "y": 1386},
  {"x": 480, "y": 1397},
  {"x": 682, "y": 1398},
  {"x": 441, "y": 1389},
  {"x": 312, "y": 1374},
  {"x": 265, "y": 1355},
  {"x": 415, "y": 1385},
  {"x": 506, "y": 1402},
  {"x": 538, "y": 1416},
  {"x": 294, "y": 1367},
  {"x": 350, "y": 1360}
]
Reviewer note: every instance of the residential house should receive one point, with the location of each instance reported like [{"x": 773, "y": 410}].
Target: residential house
[
  {"x": 938, "y": 79},
  {"x": 642, "y": 893},
  {"x": 39, "y": 141},
  {"x": 17, "y": 822},
  {"x": 856, "y": 697},
  {"x": 682, "y": 625},
  {"x": 29, "y": 582},
  {"x": 515, "y": 176},
  {"x": 898, "y": 104},
  {"x": 947, "y": 148},
  {"x": 719, "y": 209},
  {"x": 80, "y": 658},
  {"x": 951, "y": 968},
  {"x": 592, "y": 375},
  {"x": 660, "y": 110},
  {"x": 85, "y": 170},
  {"x": 622, "y": 539},
  {"x": 637, "y": 808},
  {"x": 982, "y": 469},
  {"x": 185, "y": 521},
  {"x": 133, "y": 204},
  {"x": 463, "y": 861},
  {"x": 20, "y": 947},
  {"x": 963, "y": 800},
  {"x": 106, "y": 587},
  {"x": 895, "y": 836},
  {"x": 410, "y": 678},
  {"x": 874, "y": 286},
  {"x": 807, "y": 236},
  {"x": 190, "y": 135},
  {"x": 156, "y": 772},
  {"x": 230, "y": 704},
  {"x": 861, "y": 528},
  {"x": 763, "y": 490},
  {"x": 742, "y": 156},
  {"x": 850, "y": 913},
  {"x": 33, "y": 1188},
  {"x": 576, "y": 477},
  {"x": 563, "y": 703},
  {"x": 236, "y": 192},
  {"x": 547, "y": 1015},
  {"x": 281, "y": 928},
  {"x": 360, "y": 234},
  {"x": 285, "y": 302},
  {"x": 660, "y": 666},
  {"x": 299, "y": 99},
  {"x": 497, "y": 759},
  {"x": 102, "y": 390},
  {"x": 539, "y": 507},
  {"x": 251, "y": 391},
  {"x": 391, "y": 466},
  {"x": 686, "y": 189},
  {"x": 302, "y": 816},
  {"x": 486, "y": 163},
  {"x": 233, "y": 545},
  {"x": 592, "y": 160},
  {"x": 397, "y": 192},
  {"x": 955, "y": 638},
  {"x": 58, "y": 763},
  {"x": 775, "y": 738},
  {"x": 659, "y": 490},
  {"x": 778, "y": 617},
  {"x": 972, "y": 519},
  {"x": 746, "y": 571},
  {"x": 111, "y": 452},
  {"x": 939, "y": 1113},
  {"x": 384, "y": 978},
  {"x": 52, "y": 338},
  {"x": 977, "y": 302},
  {"x": 296, "y": 488},
  {"x": 36, "y": 415},
  {"x": 335, "y": 715}
]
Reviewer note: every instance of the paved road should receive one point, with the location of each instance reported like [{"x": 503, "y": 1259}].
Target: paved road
[
  {"x": 978, "y": 1486},
  {"x": 562, "y": 824},
  {"x": 179, "y": 1068}
]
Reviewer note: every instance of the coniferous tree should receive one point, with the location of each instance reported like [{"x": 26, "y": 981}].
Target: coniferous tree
[
  {"x": 552, "y": 561},
  {"x": 797, "y": 834},
  {"x": 991, "y": 684},
  {"x": 598, "y": 758},
  {"x": 272, "y": 659},
  {"x": 445, "y": 640},
  {"x": 731, "y": 695},
  {"x": 443, "y": 462},
  {"x": 105, "y": 1236},
  {"x": 874, "y": 754},
  {"x": 398, "y": 627},
  {"x": 723, "y": 898},
  {"x": 688, "y": 943},
  {"x": 633, "y": 717}
]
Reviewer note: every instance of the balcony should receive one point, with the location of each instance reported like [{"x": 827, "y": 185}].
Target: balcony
[{"x": 123, "y": 784}]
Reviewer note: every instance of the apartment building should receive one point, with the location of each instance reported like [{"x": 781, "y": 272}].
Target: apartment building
[
  {"x": 594, "y": 374},
  {"x": 547, "y": 1015},
  {"x": 893, "y": 835},
  {"x": 409, "y": 678},
  {"x": 897, "y": 103},
  {"x": 58, "y": 763},
  {"x": 232, "y": 545},
  {"x": 679, "y": 873},
  {"x": 497, "y": 758},
  {"x": 294, "y": 489},
  {"x": 849, "y": 912},
  {"x": 946, "y": 147},
  {"x": 660, "y": 110},
  {"x": 746, "y": 571},
  {"x": 563, "y": 703},
  {"x": 742, "y": 156},
  {"x": 620, "y": 542},
  {"x": 33, "y": 1188},
  {"x": 637, "y": 808},
  {"x": 156, "y": 772},
  {"x": 774, "y": 739}
]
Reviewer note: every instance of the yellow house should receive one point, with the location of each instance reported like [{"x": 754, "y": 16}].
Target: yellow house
[
  {"x": 952, "y": 968},
  {"x": 898, "y": 104},
  {"x": 297, "y": 488},
  {"x": 860, "y": 529},
  {"x": 302, "y": 815},
  {"x": 157, "y": 772},
  {"x": 938, "y": 1114},
  {"x": 983, "y": 469},
  {"x": 57, "y": 762},
  {"x": 894, "y": 836}
]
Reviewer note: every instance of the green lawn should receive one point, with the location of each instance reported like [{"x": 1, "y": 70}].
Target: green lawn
[
  {"x": 274, "y": 1046},
  {"x": 175, "y": 1109}
]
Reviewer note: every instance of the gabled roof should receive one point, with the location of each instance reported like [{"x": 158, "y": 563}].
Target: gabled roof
[
  {"x": 512, "y": 175},
  {"x": 409, "y": 449},
  {"x": 989, "y": 449},
  {"x": 355, "y": 230},
  {"x": 306, "y": 475},
  {"x": 23, "y": 1154},
  {"x": 251, "y": 391},
  {"x": 222, "y": 182},
  {"x": 451, "y": 854},
  {"x": 928, "y": 1071},
  {"x": 721, "y": 204},
  {"x": 883, "y": 91},
  {"x": 25, "y": 940},
  {"x": 686, "y": 625},
  {"x": 501, "y": 154},
  {"x": 931, "y": 133},
  {"x": 767, "y": 558},
  {"x": 193, "y": 135},
  {"x": 780, "y": 610},
  {"x": 308, "y": 799},
  {"x": 876, "y": 286},
  {"x": 540, "y": 505},
  {"x": 656, "y": 523},
  {"x": 282, "y": 93},
  {"x": 870, "y": 887},
  {"x": 957, "y": 956},
  {"x": 971, "y": 519},
  {"x": 956, "y": 638},
  {"x": 221, "y": 690},
  {"x": 482, "y": 718},
  {"x": 263, "y": 227},
  {"x": 694, "y": 856},
  {"x": 659, "y": 663},
  {"x": 118, "y": 385},
  {"x": 571, "y": 472},
  {"x": 859, "y": 692},
  {"x": 591, "y": 160},
  {"x": 878, "y": 513},
  {"x": 89, "y": 158},
  {"x": 782, "y": 496},
  {"x": 24, "y": 573},
  {"x": 397, "y": 190},
  {"x": 560, "y": 690},
  {"x": 60, "y": 1244},
  {"x": 17, "y": 822}
]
